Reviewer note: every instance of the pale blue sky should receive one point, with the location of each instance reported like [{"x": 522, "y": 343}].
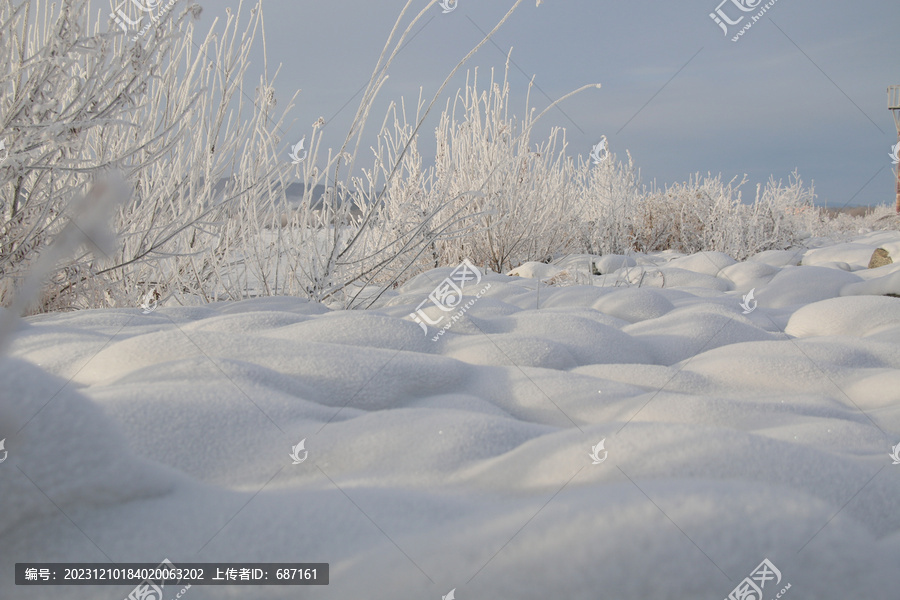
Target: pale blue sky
[{"x": 803, "y": 88}]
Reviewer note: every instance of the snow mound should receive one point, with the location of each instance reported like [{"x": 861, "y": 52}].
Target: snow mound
[
  {"x": 847, "y": 316},
  {"x": 794, "y": 286},
  {"x": 749, "y": 275},
  {"x": 536, "y": 270},
  {"x": 706, "y": 263},
  {"x": 886, "y": 283},
  {"x": 64, "y": 453},
  {"x": 613, "y": 262},
  {"x": 634, "y": 304},
  {"x": 854, "y": 254},
  {"x": 778, "y": 258}
]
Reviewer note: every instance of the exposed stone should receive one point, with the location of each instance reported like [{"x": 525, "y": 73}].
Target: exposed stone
[{"x": 880, "y": 258}]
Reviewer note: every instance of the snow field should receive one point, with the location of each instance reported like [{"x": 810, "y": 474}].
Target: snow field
[{"x": 464, "y": 463}]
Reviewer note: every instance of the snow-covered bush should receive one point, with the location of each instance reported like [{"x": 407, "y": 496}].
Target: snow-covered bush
[
  {"x": 608, "y": 193},
  {"x": 199, "y": 148},
  {"x": 83, "y": 98},
  {"x": 841, "y": 226},
  {"x": 354, "y": 244},
  {"x": 704, "y": 213},
  {"x": 492, "y": 196}
]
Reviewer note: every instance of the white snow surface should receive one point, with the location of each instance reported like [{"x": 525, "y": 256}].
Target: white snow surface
[{"x": 464, "y": 462}]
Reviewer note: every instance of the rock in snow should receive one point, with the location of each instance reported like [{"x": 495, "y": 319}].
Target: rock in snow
[{"x": 880, "y": 258}]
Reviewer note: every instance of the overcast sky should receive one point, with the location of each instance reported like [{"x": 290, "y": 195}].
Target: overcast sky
[{"x": 804, "y": 87}]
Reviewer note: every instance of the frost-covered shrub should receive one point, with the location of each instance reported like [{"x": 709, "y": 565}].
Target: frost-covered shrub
[
  {"x": 206, "y": 219},
  {"x": 609, "y": 193},
  {"x": 704, "y": 213},
  {"x": 492, "y": 195},
  {"x": 522, "y": 195},
  {"x": 841, "y": 225},
  {"x": 82, "y": 98}
]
